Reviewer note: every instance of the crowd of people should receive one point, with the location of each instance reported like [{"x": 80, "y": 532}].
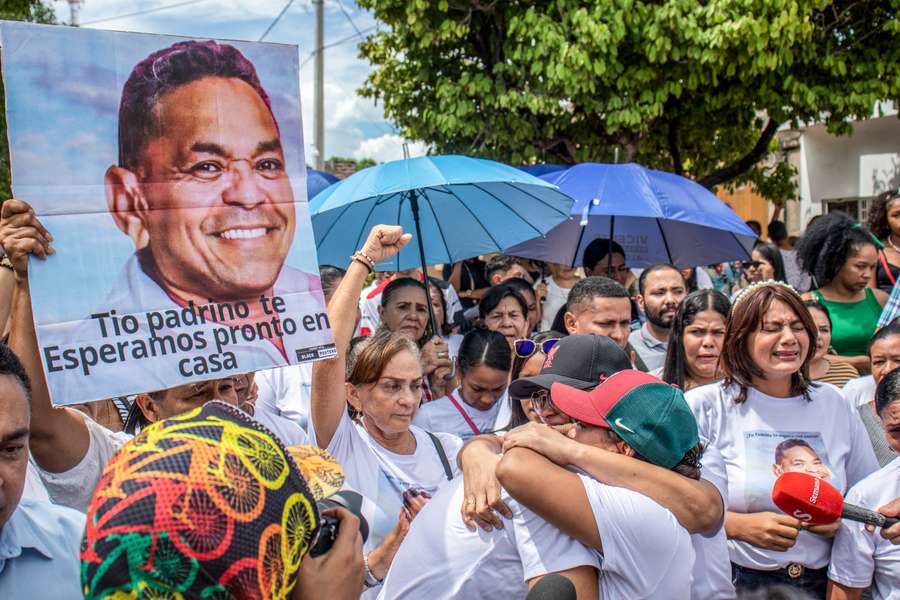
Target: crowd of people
[{"x": 497, "y": 422}]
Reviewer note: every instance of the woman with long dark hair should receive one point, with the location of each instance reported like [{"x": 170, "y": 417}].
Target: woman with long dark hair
[
  {"x": 884, "y": 223},
  {"x": 766, "y": 263},
  {"x": 841, "y": 257},
  {"x": 698, "y": 333}
]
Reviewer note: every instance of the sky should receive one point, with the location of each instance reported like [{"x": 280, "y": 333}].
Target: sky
[{"x": 354, "y": 126}]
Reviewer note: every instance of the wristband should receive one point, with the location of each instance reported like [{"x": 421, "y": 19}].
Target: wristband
[
  {"x": 364, "y": 259},
  {"x": 371, "y": 580}
]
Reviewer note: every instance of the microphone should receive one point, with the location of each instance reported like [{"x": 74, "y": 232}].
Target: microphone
[
  {"x": 553, "y": 587},
  {"x": 816, "y": 502}
]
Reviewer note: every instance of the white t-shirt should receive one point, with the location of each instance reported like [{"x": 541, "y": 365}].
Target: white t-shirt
[
  {"x": 860, "y": 390},
  {"x": 285, "y": 392},
  {"x": 384, "y": 476},
  {"x": 860, "y": 558},
  {"x": 712, "y": 567},
  {"x": 441, "y": 415},
  {"x": 823, "y": 436},
  {"x": 556, "y": 298},
  {"x": 646, "y": 552},
  {"x": 440, "y": 559},
  {"x": 34, "y": 487},
  {"x": 289, "y": 432},
  {"x": 75, "y": 487}
]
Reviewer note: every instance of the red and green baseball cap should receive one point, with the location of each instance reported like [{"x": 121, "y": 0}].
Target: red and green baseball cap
[{"x": 648, "y": 414}]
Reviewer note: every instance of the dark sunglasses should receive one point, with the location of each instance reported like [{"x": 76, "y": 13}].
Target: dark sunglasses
[
  {"x": 753, "y": 264},
  {"x": 525, "y": 347}
]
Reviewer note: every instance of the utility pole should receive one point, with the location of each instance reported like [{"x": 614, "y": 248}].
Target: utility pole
[
  {"x": 319, "y": 94},
  {"x": 74, "y": 7}
]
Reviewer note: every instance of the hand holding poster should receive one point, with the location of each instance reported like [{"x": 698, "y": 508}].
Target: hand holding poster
[{"x": 170, "y": 173}]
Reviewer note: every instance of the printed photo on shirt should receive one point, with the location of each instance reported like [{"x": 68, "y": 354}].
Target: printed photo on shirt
[
  {"x": 393, "y": 494},
  {"x": 170, "y": 172},
  {"x": 770, "y": 454}
]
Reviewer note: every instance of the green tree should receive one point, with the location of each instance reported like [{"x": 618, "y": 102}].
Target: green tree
[
  {"x": 698, "y": 88},
  {"x": 16, "y": 10}
]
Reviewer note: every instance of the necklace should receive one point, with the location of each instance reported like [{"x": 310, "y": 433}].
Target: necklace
[{"x": 890, "y": 241}]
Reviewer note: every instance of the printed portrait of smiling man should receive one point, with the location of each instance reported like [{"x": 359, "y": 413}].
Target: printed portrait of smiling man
[{"x": 201, "y": 186}]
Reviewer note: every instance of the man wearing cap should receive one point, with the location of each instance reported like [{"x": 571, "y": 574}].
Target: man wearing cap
[
  {"x": 582, "y": 361},
  {"x": 646, "y": 553}
]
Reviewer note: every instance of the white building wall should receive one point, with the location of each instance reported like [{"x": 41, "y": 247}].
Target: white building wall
[{"x": 857, "y": 166}]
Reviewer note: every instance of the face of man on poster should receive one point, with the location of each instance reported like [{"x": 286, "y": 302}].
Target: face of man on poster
[{"x": 205, "y": 197}]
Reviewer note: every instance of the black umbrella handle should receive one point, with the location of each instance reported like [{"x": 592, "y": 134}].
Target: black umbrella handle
[{"x": 414, "y": 204}]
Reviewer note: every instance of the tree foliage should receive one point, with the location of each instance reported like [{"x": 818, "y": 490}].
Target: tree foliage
[
  {"x": 16, "y": 10},
  {"x": 698, "y": 88}
]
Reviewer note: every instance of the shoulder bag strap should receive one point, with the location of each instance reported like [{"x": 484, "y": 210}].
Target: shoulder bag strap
[{"x": 442, "y": 455}]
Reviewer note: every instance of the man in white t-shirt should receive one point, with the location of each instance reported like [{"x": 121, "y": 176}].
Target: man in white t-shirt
[
  {"x": 860, "y": 558},
  {"x": 645, "y": 551},
  {"x": 441, "y": 558}
]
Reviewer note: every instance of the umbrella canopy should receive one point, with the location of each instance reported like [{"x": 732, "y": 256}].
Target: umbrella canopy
[
  {"x": 655, "y": 216},
  {"x": 466, "y": 207},
  {"x": 542, "y": 169},
  {"x": 316, "y": 181}
]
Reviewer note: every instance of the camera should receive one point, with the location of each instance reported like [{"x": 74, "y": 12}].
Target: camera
[{"x": 328, "y": 525}]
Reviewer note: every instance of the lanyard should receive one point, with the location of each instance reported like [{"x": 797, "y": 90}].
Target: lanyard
[
  {"x": 464, "y": 414},
  {"x": 887, "y": 269}
]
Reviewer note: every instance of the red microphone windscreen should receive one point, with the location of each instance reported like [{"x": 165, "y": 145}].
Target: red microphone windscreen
[{"x": 808, "y": 498}]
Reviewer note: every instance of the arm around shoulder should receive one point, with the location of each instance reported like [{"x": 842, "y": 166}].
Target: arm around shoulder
[{"x": 518, "y": 472}]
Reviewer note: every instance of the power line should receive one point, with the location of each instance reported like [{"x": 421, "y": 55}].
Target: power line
[
  {"x": 339, "y": 42},
  {"x": 275, "y": 22},
  {"x": 143, "y": 12},
  {"x": 346, "y": 14}
]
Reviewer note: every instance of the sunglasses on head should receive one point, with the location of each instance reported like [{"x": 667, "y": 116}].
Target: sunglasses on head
[{"x": 525, "y": 347}]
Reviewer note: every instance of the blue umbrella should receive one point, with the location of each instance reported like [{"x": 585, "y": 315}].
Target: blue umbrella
[
  {"x": 458, "y": 207},
  {"x": 655, "y": 216},
  {"x": 542, "y": 169},
  {"x": 316, "y": 181}
]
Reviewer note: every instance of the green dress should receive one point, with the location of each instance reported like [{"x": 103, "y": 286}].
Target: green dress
[{"x": 852, "y": 323}]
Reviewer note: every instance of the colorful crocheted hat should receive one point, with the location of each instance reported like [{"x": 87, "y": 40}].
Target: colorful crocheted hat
[{"x": 207, "y": 504}]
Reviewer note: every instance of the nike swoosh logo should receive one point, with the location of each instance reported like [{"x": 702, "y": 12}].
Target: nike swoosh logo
[{"x": 618, "y": 423}]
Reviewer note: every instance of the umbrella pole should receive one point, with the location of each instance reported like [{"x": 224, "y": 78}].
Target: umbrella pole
[
  {"x": 612, "y": 226},
  {"x": 414, "y": 204}
]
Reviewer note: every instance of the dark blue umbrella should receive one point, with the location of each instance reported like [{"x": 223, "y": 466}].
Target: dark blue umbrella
[
  {"x": 542, "y": 169},
  {"x": 655, "y": 216},
  {"x": 456, "y": 207},
  {"x": 316, "y": 181}
]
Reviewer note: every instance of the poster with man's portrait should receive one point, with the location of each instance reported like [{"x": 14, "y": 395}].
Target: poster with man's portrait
[
  {"x": 771, "y": 454},
  {"x": 170, "y": 172}
]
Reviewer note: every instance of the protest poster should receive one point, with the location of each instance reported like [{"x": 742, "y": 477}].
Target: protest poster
[{"x": 170, "y": 172}]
